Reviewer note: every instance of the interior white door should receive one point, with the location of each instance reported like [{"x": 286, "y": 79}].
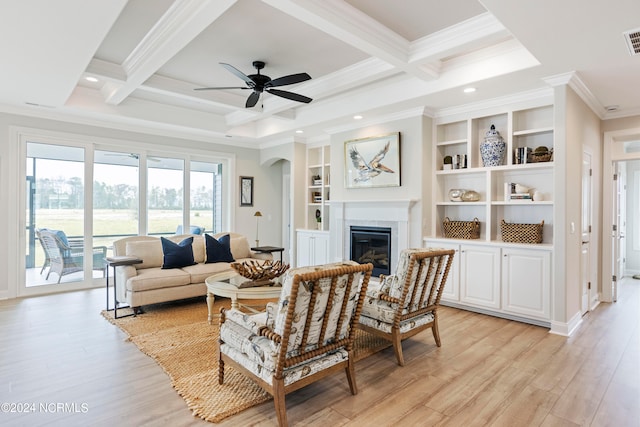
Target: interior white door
[
  {"x": 287, "y": 238},
  {"x": 618, "y": 198},
  {"x": 585, "y": 271},
  {"x": 622, "y": 218}
]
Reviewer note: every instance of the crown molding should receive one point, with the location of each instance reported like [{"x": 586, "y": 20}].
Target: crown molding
[
  {"x": 538, "y": 96},
  {"x": 359, "y": 124},
  {"x": 128, "y": 125},
  {"x": 573, "y": 80}
]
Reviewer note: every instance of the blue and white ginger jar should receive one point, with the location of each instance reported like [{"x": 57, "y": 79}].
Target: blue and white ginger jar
[{"x": 493, "y": 148}]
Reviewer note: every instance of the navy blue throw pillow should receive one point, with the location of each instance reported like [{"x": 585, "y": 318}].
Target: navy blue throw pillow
[
  {"x": 177, "y": 255},
  {"x": 218, "y": 250}
]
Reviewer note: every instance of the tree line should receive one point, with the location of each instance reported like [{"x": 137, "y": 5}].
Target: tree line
[{"x": 64, "y": 193}]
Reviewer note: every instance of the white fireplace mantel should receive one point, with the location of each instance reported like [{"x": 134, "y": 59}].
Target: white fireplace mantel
[{"x": 395, "y": 214}]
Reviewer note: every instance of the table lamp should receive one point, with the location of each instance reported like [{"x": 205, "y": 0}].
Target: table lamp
[{"x": 258, "y": 214}]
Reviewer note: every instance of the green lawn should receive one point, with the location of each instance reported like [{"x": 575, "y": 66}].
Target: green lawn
[{"x": 113, "y": 222}]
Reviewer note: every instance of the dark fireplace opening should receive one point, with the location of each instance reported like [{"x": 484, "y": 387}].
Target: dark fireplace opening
[{"x": 372, "y": 244}]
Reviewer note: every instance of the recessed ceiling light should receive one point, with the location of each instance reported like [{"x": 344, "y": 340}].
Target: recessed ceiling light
[
  {"x": 299, "y": 131},
  {"x": 469, "y": 89},
  {"x": 91, "y": 79},
  {"x": 357, "y": 117}
]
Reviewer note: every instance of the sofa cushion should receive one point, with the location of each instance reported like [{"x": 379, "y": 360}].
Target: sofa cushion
[
  {"x": 239, "y": 244},
  {"x": 157, "y": 278},
  {"x": 218, "y": 250},
  {"x": 149, "y": 251},
  {"x": 177, "y": 255},
  {"x": 198, "y": 245},
  {"x": 199, "y": 272}
]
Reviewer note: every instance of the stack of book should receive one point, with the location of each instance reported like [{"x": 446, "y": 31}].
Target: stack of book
[
  {"x": 521, "y": 155},
  {"x": 510, "y": 193},
  {"x": 518, "y": 196}
]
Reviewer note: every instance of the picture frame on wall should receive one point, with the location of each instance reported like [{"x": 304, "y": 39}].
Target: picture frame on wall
[
  {"x": 372, "y": 162},
  {"x": 246, "y": 191}
]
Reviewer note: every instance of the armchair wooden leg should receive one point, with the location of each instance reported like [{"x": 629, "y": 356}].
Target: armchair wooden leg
[
  {"x": 220, "y": 365},
  {"x": 436, "y": 332},
  {"x": 397, "y": 345},
  {"x": 350, "y": 370},
  {"x": 279, "y": 402}
]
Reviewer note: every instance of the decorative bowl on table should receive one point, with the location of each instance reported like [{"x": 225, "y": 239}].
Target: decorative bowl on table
[{"x": 259, "y": 273}]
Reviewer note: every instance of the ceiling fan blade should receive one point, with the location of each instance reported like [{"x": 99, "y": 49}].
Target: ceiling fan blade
[
  {"x": 252, "y": 100},
  {"x": 289, "y": 80},
  {"x": 238, "y": 73},
  {"x": 290, "y": 95},
  {"x": 217, "y": 88}
]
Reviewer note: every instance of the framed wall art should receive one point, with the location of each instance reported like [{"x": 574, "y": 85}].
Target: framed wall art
[
  {"x": 372, "y": 162},
  {"x": 246, "y": 191}
]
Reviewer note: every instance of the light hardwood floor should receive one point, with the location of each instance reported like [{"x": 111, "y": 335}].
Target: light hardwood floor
[{"x": 489, "y": 371}]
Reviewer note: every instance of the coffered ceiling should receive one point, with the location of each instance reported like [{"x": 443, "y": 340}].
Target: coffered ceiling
[{"x": 375, "y": 58}]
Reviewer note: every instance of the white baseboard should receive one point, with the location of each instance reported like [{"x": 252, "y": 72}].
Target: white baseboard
[{"x": 566, "y": 329}]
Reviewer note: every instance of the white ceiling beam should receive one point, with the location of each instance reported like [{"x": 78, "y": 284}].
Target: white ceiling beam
[
  {"x": 346, "y": 23},
  {"x": 504, "y": 58},
  {"x": 460, "y": 38},
  {"x": 184, "y": 20},
  {"x": 421, "y": 58}
]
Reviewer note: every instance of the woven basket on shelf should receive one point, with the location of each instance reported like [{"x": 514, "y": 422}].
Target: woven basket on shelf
[
  {"x": 521, "y": 233},
  {"x": 541, "y": 157},
  {"x": 461, "y": 229}
]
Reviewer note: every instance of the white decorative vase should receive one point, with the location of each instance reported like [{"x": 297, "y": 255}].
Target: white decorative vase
[{"x": 493, "y": 148}]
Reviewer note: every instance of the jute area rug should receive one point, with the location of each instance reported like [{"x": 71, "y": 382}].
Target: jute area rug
[{"x": 179, "y": 338}]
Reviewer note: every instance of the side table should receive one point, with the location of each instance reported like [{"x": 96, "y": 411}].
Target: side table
[
  {"x": 114, "y": 262},
  {"x": 268, "y": 250}
]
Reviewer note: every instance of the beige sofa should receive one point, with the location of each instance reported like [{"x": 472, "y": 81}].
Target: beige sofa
[{"x": 148, "y": 283}]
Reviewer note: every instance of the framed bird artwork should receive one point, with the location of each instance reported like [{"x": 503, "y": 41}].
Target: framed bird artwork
[{"x": 372, "y": 162}]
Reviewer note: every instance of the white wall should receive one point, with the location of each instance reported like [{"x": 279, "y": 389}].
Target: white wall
[
  {"x": 576, "y": 127},
  {"x": 415, "y": 175}
]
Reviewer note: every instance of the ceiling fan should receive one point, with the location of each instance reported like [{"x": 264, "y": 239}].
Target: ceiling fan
[{"x": 260, "y": 83}]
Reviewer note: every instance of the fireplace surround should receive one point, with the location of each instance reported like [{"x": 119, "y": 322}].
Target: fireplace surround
[{"x": 393, "y": 214}]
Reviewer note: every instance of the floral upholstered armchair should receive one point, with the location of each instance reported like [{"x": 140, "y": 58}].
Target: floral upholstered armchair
[
  {"x": 406, "y": 303},
  {"x": 307, "y": 335}
]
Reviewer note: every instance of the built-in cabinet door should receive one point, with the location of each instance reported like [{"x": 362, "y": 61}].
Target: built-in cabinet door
[
  {"x": 321, "y": 249},
  {"x": 305, "y": 249},
  {"x": 451, "y": 291},
  {"x": 313, "y": 248},
  {"x": 526, "y": 282},
  {"x": 480, "y": 275}
]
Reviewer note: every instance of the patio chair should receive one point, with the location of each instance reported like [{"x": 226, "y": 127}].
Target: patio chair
[
  {"x": 306, "y": 336},
  {"x": 73, "y": 243},
  {"x": 193, "y": 229},
  {"x": 406, "y": 303},
  {"x": 63, "y": 258}
]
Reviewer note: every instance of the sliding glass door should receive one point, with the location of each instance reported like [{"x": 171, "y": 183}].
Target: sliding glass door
[
  {"x": 116, "y": 210},
  {"x": 126, "y": 194},
  {"x": 55, "y": 214}
]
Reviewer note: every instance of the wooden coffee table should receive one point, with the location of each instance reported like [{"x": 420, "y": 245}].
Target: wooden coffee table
[{"x": 219, "y": 285}]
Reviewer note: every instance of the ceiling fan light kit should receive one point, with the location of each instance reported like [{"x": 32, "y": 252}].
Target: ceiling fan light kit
[{"x": 260, "y": 83}]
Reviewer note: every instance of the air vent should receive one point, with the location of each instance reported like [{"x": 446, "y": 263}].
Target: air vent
[{"x": 633, "y": 41}]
